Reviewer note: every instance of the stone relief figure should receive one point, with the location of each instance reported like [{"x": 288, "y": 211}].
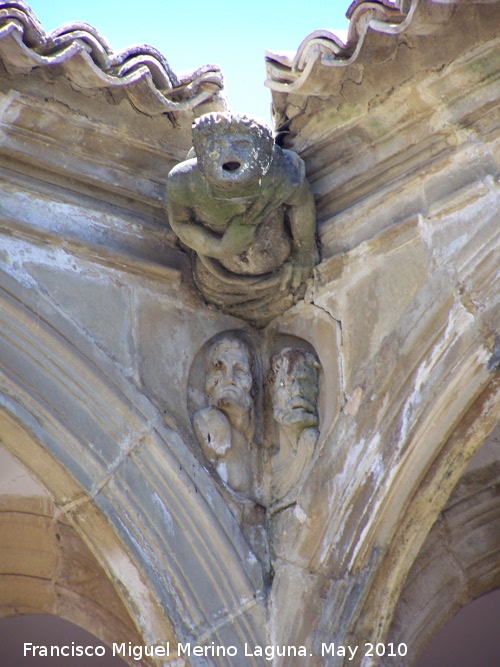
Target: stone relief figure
[
  {"x": 225, "y": 428},
  {"x": 245, "y": 210},
  {"x": 294, "y": 384}
]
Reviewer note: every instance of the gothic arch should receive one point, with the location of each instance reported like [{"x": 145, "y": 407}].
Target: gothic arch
[
  {"x": 460, "y": 558},
  {"x": 429, "y": 499},
  {"x": 45, "y": 568},
  {"x": 135, "y": 494}
]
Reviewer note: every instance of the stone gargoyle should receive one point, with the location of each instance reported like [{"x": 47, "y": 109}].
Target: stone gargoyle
[{"x": 245, "y": 210}]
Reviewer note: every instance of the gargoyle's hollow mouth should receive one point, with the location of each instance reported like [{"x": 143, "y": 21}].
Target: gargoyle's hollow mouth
[{"x": 231, "y": 166}]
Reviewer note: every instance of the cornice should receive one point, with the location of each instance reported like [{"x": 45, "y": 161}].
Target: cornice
[
  {"x": 412, "y": 100},
  {"x": 323, "y": 53},
  {"x": 85, "y": 127},
  {"x": 89, "y": 62}
]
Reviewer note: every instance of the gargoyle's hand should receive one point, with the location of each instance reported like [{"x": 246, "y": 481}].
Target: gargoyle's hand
[
  {"x": 300, "y": 274},
  {"x": 286, "y": 277},
  {"x": 296, "y": 271},
  {"x": 237, "y": 238}
]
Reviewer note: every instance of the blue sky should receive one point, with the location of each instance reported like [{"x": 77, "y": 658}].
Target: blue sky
[{"x": 233, "y": 34}]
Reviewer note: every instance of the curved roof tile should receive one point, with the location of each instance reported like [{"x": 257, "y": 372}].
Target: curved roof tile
[
  {"x": 88, "y": 60},
  {"x": 323, "y": 49}
]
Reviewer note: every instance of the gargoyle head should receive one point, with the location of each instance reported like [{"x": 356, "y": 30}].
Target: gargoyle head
[{"x": 234, "y": 151}]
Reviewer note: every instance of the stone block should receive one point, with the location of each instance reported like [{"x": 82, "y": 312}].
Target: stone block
[
  {"x": 38, "y": 505},
  {"x": 79, "y": 572},
  {"x": 40, "y": 462},
  {"x": 27, "y": 545},
  {"x": 474, "y": 526},
  {"x": 291, "y": 624},
  {"x": 15, "y": 481},
  {"x": 168, "y": 337},
  {"x": 27, "y": 595},
  {"x": 96, "y": 301},
  {"x": 374, "y": 290}
]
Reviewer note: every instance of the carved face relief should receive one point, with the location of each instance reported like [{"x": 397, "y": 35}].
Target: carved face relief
[
  {"x": 229, "y": 379},
  {"x": 233, "y": 152},
  {"x": 230, "y": 160},
  {"x": 294, "y": 377}
]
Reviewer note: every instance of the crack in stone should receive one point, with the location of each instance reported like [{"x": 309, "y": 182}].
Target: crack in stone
[
  {"x": 245, "y": 607},
  {"x": 274, "y": 511},
  {"x": 338, "y": 324},
  {"x": 494, "y": 360}
]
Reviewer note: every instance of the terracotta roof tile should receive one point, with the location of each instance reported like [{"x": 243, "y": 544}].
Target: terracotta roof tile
[
  {"x": 88, "y": 60},
  {"x": 299, "y": 74}
]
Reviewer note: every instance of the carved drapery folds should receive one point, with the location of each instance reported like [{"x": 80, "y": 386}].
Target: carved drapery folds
[
  {"x": 260, "y": 452},
  {"x": 244, "y": 209}
]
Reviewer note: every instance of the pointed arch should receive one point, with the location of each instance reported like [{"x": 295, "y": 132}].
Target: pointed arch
[
  {"x": 129, "y": 484},
  {"x": 419, "y": 504}
]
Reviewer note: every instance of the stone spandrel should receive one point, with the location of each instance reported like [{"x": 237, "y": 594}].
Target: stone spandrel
[
  {"x": 245, "y": 211},
  {"x": 403, "y": 316}
]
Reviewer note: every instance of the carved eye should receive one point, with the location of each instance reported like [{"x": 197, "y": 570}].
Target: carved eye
[
  {"x": 242, "y": 143},
  {"x": 218, "y": 365},
  {"x": 240, "y": 371}
]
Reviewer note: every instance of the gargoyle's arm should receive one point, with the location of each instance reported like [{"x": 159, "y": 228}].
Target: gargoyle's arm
[
  {"x": 236, "y": 239},
  {"x": 302, "y": 217}
]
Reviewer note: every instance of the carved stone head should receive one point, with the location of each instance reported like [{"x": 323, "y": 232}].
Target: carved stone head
[
  {"x": 229, "y": 380},
  {"x": 294, "y": 379},
  {"x": 233, "y": 151}
]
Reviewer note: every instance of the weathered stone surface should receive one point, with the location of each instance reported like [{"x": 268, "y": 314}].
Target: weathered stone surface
[
  {"x": 458, "y": 561},
  {"x": 170, "y": 330},
  {"x": 46, "y": 568},
  {"x": 96, "y": 302},
  {"x": 399, "y": 132},
  {"x": 245, "y": 210},
  {"x": 375, "y": 287},
  {"x": 33, "y": 540}
]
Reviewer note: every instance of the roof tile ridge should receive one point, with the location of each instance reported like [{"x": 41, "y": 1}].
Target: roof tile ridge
[
  {"x": 288, "y": 72},
  {"x": 325, "y": 44},
  {"x": 124, "y": 67},
  {"x": 398, "y": 5}
]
